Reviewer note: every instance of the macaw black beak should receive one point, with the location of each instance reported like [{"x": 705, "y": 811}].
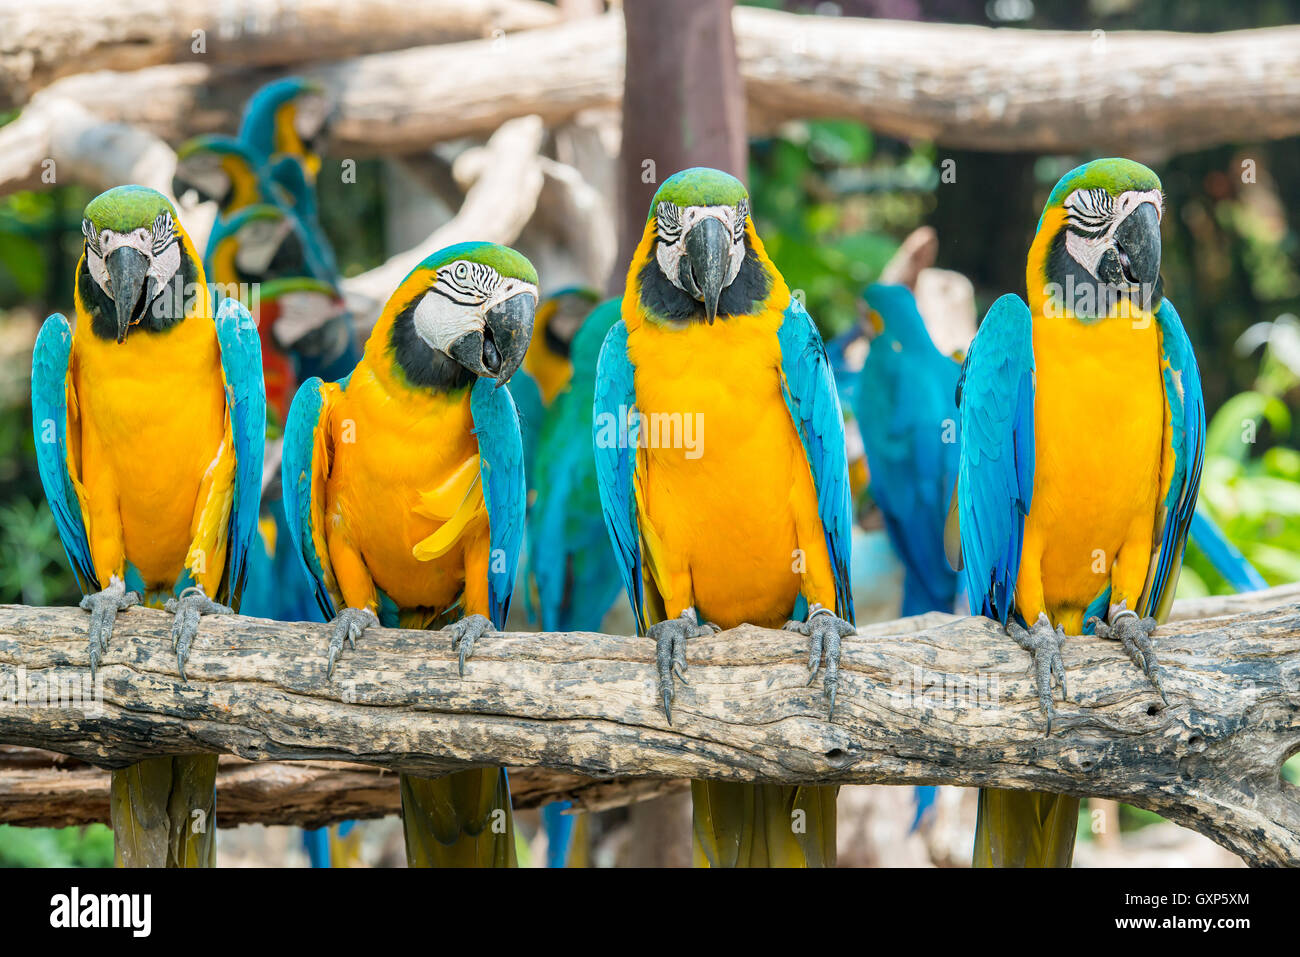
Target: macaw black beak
[
  {"x": 127, "y": 271},
  {"x": 497, "y": 351},
  {"x": 509, "y": 330},
  {"x": 1137, "y": 242},
  {"x": 707, "y": 263}
]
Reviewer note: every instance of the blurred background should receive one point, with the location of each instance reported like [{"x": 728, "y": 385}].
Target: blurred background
[{"x": 528, "y": 94}]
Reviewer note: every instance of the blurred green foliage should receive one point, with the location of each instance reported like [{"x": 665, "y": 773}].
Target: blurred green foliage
[{"x": 90, "y": 846}]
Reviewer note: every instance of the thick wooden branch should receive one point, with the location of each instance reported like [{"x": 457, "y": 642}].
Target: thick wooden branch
[
  {"x": 962, "y": 86},
  {"x": 40, "y": 42},
  {"x": 930, "y": 700},
  {"x": 44, "y": 789}
]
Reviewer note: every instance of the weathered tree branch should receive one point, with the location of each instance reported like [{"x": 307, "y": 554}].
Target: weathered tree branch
[
  {"x": 961, "y": 86},
  {"x": 40, "y": 42},
  {"x": 926, "y": 700}
]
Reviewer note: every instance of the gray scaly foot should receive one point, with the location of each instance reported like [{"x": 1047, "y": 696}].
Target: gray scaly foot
[
  {"x": 103, "y": 607},
  {"x": 464, "y": 633},
  {"x": 188, "y": 608},
  {"x": 670, "y": 651},
  {"x": 826, "y": 631},
  {"x": 349, "y": 625},
  {"x": 1134, "y": 634},
  {"x": 1044, "y": 644}
]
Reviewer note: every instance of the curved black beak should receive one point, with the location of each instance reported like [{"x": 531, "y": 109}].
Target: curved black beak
[
  {"x": 1137, "y": 242},
  {"x": 128, "y": 269},
  {"x": 510, "y": 329},
  {"x": 498, "y": 350},
  {"x": 707, "y": 263}
]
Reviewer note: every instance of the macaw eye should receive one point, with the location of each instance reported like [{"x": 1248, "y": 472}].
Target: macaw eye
[{"x": 461, "y": 270}]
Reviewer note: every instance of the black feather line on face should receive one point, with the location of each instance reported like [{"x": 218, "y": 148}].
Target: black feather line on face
[
  {"x": 166, "y": 310},
  {"x": 661, "y": 299},
  {"x": 422, "y": 365}
]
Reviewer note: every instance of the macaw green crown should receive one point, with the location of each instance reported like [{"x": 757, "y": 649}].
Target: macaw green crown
[
  {"x": 1114, "y": 174},
  {"x": 214, "y": 143},
  {"x": 274, "y": 288},
  {"x": 699, "y": 186},
  {"x": 506, "y": 261},
  {"x": 124, "y": 208}
]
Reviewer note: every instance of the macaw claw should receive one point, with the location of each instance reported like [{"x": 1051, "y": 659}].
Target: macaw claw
[
  {"x": 670, "y": 651},
  {"x": 192, "y": 604},
  {"x": 825, "y": 631},
  {"x": 1134, "y": 634},
  {"x": 464, "y": 633},
  {"x": 349, "y": 625},
  {"x": 103, "y": 606},
  {"x": 1044, "y": 645}
]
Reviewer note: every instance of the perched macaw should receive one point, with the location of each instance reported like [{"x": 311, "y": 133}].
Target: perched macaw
[
  {"x": 908, "y": 419},
  {"x": 741, "y": 512},
  {"x": 547, "y": 366},
  {"x": 418, "y": 523},
  {"x": 220, "y": 169},
  {"x": 559, "y": 316},
  {"x": 288, "y": 117},
  {"x": 1083, "y": 431},
  {"x": 150, "y": 419},
  {"x": 569, "y": 560}
]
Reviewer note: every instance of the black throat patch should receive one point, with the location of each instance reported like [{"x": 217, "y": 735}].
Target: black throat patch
[
  {"x": 165, "y": 311},
  {"x": 421, "y": 364},
  {"x": 1081, "y": 294},
  {"x": 662, "y": 299}
]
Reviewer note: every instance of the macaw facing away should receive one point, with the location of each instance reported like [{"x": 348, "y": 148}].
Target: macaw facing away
[
  {"x": 908, "y": 419},
  {"x": 150, "y": 420},
  {"x": 404, "y": 490},
  {"x": 559, "y": 317},
  {"x": 290, "y": 117},
  {"x": 747, "y": 522},
  {"x": 569, "y": 560},
  {"x": 547, "y": 366},
  {"x": 1083, "y": 432}
]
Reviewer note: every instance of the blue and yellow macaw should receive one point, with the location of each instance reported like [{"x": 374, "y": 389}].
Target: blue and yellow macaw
[
  {"x": 426, "y": 510},
  {"x": 753, "y": 526},
  {"x": 1083, "y": 431},
  {"x": 569, "y": 561},
  {"x": 149, "y": 420},
  {"x": 222, "y": 170},
  {"x": 288, "y": 117},
  {"x": 548, "y": 366},
  {"x": 907, "y": 416}
]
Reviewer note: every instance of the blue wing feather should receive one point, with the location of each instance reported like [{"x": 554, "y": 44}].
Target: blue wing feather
[
  {"x": 995, "y": 480},
  {"x": 1186, "y": 404},
  {"x": 297, "y": 469},
  {"x": 814, "y": 405},
  {"x": 616, "y": 462},
  {"x": 505, "y": 493},
  {"x": 241, "y": 367},
  {"x": 50, "y": 428}
]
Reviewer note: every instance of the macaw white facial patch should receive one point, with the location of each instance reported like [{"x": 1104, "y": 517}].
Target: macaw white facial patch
[
  {"x": 158, "y": 243},
  {"x": 672, "y": 223},
  {"x": 259, "y": 241},
  {"x": 440, "y": 321},
  {"x": 1093, "y": 215}
]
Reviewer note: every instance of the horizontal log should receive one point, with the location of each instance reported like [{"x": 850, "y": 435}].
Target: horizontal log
[
  {"x": 927, "y": 700},
  {"x": 43, "y": 789},
  {"x": 1146, "y": 93},
  {"x": 40, "y": 42}
]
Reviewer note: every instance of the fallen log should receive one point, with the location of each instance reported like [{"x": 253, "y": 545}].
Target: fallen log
[{"x": 928, "y": 700}]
